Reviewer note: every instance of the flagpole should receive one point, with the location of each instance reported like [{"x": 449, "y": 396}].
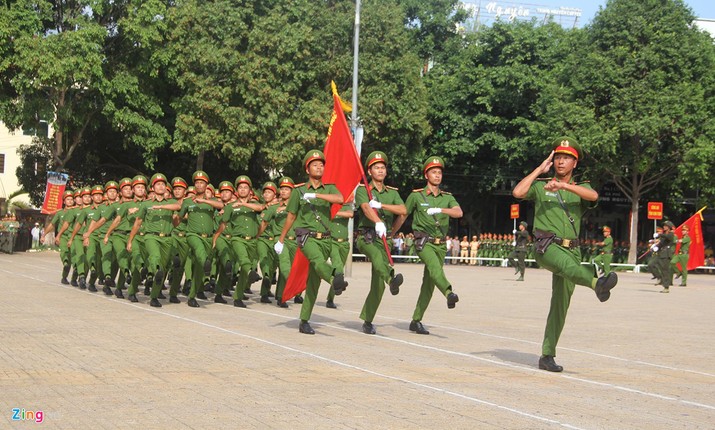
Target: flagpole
[{"x": 354, "y": 125}]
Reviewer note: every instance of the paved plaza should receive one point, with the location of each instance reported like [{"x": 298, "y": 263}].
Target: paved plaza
[{"x": 642, "y": 360}]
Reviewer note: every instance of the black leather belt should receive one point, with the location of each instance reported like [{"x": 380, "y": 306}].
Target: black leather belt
[
  {"x": 319, "y": 235},
  {"x": 153, "y": 234}
]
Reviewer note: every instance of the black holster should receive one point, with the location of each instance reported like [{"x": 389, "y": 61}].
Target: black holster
[{"x": 543, "y": 240}]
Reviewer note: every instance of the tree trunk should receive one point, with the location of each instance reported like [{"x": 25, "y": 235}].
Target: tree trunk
[
  {"x": 200, "y": 160},
  {"x": 633, "y": 250}
]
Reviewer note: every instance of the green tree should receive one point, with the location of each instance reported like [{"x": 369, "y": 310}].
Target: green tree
[{"x": 637, "y": 93}]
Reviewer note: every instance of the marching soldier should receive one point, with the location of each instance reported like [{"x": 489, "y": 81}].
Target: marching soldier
[
  {"x": 121, "y": 225},
  {"x": 225, "y": 257},
  {"x": 604, "y": 258},
  {"x": 431, "y": 209},
  {"x": 95, "y": 233},
  {"x": 75, "y": 242},
  {"x": 276, "y": 218},
  {"x": 559, "y": 207},
  {"x": 57, "y": 222},
  {"x": 385, "y": 209},
  {"x": 682, "y": 257},
  {"x": 309, "y": 209},
  {"x": 666, "y": 249},
  {"x": 136, "y": 261},
  {"x": 517, "y": 256},
  {"x": 154, "y": 227},
  {"x": 267, "y": 258},
  {"x": 180, "y": 246}
]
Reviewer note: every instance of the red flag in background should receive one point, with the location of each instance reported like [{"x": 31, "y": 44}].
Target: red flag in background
[
  {"x": 697, "y": 244},
  {"x": 342, "y": 162},
  {"x": 342, "y": 168}
]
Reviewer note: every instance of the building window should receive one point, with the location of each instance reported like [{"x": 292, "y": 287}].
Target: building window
[{"x": 2, "y": 163}]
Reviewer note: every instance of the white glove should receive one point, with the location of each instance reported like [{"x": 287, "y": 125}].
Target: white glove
[
  {"x": 375, "y": 204},
  {"x": 513, "y": 232},
  {"x": 513, "y": 243},
  {"x": 308, "y": 196},
  {"x": 655, "y": 235},
  {"x": 654, "y": 248},
  {"x": 434, "y": 211},
  {"x": 278, "y": 247},
  {"x": 380, "y": 229}
]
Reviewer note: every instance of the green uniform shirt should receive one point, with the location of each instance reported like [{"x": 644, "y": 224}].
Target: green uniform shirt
[
  {"x": 417, "y": 204},
  {"x": 181, "y": 228},
  {"x": 388, "y": 195},
  {"x": 200, "y": 217},
  {"x": 125, "y": 225},
  {"x": 521, "y": 238},
  {"x": 305, "y": 217},
  {"x": 59, "y": 218},
  {"x": 240, "y": 221},
  {"x": 94, "y": 215},
  {"x": 83, "y": 219},
  {"x": 108, "y": 212},
  {"x": 550, "y": 216},
  {"x": 685, "y": 245},
  {"x": 276, "y": 216},
  {"x": 156, "y": 221},
  {"x": 607, "y": 245},
  {"x": 339, "y": 225},
  {"x": 666, "y": 244}
]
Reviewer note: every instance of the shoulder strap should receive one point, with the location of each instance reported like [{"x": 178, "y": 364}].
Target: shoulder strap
[{"x": 568, "y": 214}]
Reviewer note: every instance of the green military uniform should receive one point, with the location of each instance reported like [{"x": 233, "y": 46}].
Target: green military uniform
[
  {"x": 313, "y": 220},
  {"x": 109, "y": 260},
  {"x": 181, "y": 265},
  {"x": 603, "y": 260},
  {"x": 682, "y": 258},
  {"x": 119, "y": 237},
  {"x": 434, "y": 228},
  {"x": 199, "y": 230},
  {"x": 136, "y": 260},
  {"x": 276, "y": 216},
  {"x": 154, "y": 239},
  {"x": 563, "y": 256},
  {"x": 267, "y": 258},
  {"x": 517, "y": 256},
  {"x": 78, "y": 250},
  {"x": 340, "y": 247},
  {"x": 58, "y": 219},
  {"x": 93, "y": 251},
  {"x": 372, "y": 246}
]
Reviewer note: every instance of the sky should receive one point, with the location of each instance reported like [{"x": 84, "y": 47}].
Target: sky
[{"x": 701, "y": 8}]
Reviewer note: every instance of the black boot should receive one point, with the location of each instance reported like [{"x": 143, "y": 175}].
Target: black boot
[{"x": 546, "y": 362}]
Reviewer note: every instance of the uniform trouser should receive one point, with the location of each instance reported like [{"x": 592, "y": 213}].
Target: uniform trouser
[
  {"x": 199, "y": 252},
  {"x": 565, "y": 265},
  {"x": 285, "y": 261},
  {"x": 381, "y": 274},
  {"x": 65, "y": 256},
  {"x": 136, "y": 262},
  {"x": 108, "y": 260},
  {"x": 683, "y": 269},
  {"x": 93, "y": 254},
  {"x": 157, "y": 252},
  {"x": 119, "y": 245},
  {"x": 665, "y": 269},
  {"x": 317, "y": 251},
  {"x": 473, "y": 258},
  {"x": 225, "y": 257},
  {"x": 433, "y": 276},
  {"x": 654, "y": 267},
  {"x": 244, "y": 251},
  {"x": 604, "y": 261},
  {"x": 463, "y": 254},
  {"x": 338, "y": 255},
  {"x": 268, "y": 261},
  {"x": 78, "y": 255},
  {"x": 516, "y": 259},
  {"x": 181, "y": 251}
]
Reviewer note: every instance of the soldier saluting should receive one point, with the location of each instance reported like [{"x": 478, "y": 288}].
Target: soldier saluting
[{"x": 559, "y": 206}]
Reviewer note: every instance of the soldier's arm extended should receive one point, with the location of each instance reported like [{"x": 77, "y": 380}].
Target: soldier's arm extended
[
  {"x": 522, "y": 188},
  {"x": 112, "y": 226},
  {"x": 587, "y": 194},
  {"x": 76, "y": 228},
  {"x": 345, "y": 214},
  {"x": 336, "y": 199},
  {"x": 135, "y": 230},
  {"x": 65, "y": 226},
  {"x": 219, "y": 230},
  {"x": 290, "y": 219},
  {"x": 93, "y": 226},
  {"x": 398, "y": 221},
  {"x": 211, "y": 202},
  {"x": 255, "y": 207},
  {"x": 262, "y": 227}
]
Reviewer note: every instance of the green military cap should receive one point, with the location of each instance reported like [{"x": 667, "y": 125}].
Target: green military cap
[
  {"x": 139, "y": 179},
  {"x": 375, "y": 157},
  {"x": 211, "y": 187},
  {"x": 158, "y": 177},
  {"x": 243, "y": 179},
  {"x": 524, "y": 223},
  {"x": 567, "y": 145},
  {"x": 200, "y": 175},
  {"x": 313, "y": 155},
  {"x": 179, "y": 182},
  {"x": 67, "y": 193},
  {"x": 124, "y": 182},
  {"x": 97, "y": 189},
  {"x": 669, "y": 224},
  {"x": 191, "y": 190},
  {"x": 270, "y": 186},
  {"x": 226, "y": 185},
  {"x": 77, "y": 192},
  {"x": 432, "y": 162},
  {"x": 85, "y": 191},
  {"x": 111, "y": 185},
  {"x": 286, "y": 181}
]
